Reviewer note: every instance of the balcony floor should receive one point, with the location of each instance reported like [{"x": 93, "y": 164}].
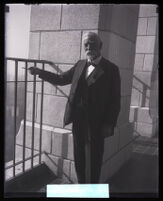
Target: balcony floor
[{"x": 139, "y": 176}]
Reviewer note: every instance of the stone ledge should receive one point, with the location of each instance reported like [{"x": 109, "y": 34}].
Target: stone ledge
[
  {"x": 145, "y": 129},
  {"x": 46, "y": 137},
  {"x": 144, "y": 125},
  {"x": 140, "y": 114},
  {"x": 49, "y": 134}
]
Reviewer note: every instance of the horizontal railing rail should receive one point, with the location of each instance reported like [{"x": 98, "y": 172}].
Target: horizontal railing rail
[
  {"x": 29, "y": 60},
  {"x": 34, "y": 61}
]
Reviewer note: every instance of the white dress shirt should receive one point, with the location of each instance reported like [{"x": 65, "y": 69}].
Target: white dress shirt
[{"x": 91, "y": 68}]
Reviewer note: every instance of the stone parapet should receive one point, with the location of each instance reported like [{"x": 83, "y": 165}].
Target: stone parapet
[
  {"x": 57, "y": 148},
  {"x": 54, "y": 140},
  {"x": 144, "y": 124}
]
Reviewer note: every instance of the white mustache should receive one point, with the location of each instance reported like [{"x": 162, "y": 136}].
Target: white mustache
[{"x": 89, "y": 51}]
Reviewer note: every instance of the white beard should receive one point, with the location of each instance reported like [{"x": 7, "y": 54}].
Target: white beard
[{"x": 90, "y": 57}]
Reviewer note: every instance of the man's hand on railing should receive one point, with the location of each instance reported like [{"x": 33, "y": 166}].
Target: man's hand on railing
[{"x": 34, "y": 70}]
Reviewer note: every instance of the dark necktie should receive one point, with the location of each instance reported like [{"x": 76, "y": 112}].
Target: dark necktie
[{"x": 90, "y": 63}]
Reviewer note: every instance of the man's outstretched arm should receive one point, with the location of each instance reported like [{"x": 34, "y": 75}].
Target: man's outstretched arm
[{"x": 53, "y": 78}]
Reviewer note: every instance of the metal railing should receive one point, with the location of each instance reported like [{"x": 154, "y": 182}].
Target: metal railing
[
  {"x": 143, "y": 90},
  {"x": 26, "y": 63}
]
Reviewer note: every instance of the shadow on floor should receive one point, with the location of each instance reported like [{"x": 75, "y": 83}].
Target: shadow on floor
[
  {"x": 139, "y": 176},
  {"x": 28, "y": 184}
]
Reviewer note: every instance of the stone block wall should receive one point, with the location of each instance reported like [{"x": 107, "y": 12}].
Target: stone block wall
[
  {"x": 144, "y": 100},
  {"x": 56, "y": 34}
]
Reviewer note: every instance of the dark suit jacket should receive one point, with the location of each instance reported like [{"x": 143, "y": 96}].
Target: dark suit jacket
[{"x": 104, "y": 88}]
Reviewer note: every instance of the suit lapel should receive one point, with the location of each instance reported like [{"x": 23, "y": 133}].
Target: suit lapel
[
  {"x": 96, "y": 74},
  {"x": 77, "y": 74},
  {"x": 79, "y": 70}
]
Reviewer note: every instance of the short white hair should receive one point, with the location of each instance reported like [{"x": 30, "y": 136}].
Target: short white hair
[{"x": 92, "y": 35}]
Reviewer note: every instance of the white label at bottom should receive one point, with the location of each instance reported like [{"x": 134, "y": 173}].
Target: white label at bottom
[{"x": 78, "y": 190}]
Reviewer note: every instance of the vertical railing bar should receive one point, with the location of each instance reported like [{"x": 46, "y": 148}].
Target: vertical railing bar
[
  {"x": 41, "y": 115},
  {"x": 33, "y": 115},
  {"x": 25, "y": 105},
  {"x": 15, "y": 114},
  {"x": 5, "y": 104}
]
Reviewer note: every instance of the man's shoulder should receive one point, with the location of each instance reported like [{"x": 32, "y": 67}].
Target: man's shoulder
[
  {"x": 80, "y": 61},
  {"x": 108, "y": 62},
  {"x": 109, "y": 65}
]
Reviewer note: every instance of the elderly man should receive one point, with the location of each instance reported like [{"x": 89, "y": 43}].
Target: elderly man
[{"x": 92, "y": 107}]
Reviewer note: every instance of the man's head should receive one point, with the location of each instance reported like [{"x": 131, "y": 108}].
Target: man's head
[{"x": 92, "y": 45}]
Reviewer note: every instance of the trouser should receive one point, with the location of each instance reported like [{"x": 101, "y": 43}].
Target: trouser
[{"x": 88, "y": 152}]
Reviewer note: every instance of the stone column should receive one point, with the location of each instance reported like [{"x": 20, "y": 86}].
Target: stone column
[
  {"x": 56, "y": 35},
  {"x": 144, "y": 104},
  {"x": 118, "y": 28}
]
